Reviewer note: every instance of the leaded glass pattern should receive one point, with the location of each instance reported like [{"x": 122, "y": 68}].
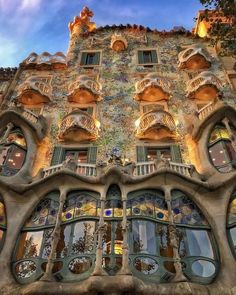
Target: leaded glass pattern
[
  {"x": 151, "y": 248},
  {"x": 75, "y": 251},
  {"x": 231, "y": 223}
]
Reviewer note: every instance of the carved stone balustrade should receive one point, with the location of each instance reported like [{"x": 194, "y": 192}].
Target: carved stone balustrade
[
  {"x": 205, "y": 86},
  {"x": 145, "y": 168},
  {"x": 194, "y": 58},
  {"x": 152, "y": 88},
  {"x": 45, "y": 60},
  {"x": 79, "y": 126},
  {"x": 34, "y": 91},
  {"x": 209, "y": 108},
  {"x": 156, "y": 125},
  {"x": 84, "y": 90},
  {"x": 118, "y": 42}
]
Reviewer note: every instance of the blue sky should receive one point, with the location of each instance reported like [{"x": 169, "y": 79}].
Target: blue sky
[{"x": 41, "y": 25}]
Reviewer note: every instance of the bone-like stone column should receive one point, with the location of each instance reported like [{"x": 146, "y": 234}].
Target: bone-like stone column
[
  {"x": 48, "y": 276},
  {"x": 174, "y": 241},
  {"x": 125, "y": 270},
  {"x": 98, "y": 270},
  {"x": 10, "y": 126}
]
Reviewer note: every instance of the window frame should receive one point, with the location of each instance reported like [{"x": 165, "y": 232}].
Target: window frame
[
  {"x": 90, "y": 65},
  {"x": 156, "y": 49}
]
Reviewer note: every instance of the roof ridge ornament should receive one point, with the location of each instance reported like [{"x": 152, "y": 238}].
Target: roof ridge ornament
[{"x": 81, "y": 24}]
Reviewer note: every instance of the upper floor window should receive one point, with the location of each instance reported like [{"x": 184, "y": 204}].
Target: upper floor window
[
  {"x": 146, "y": 57},
  {"x": 221, "y": 150},
  {"x": 13, "y": 151},
  {"x": 90, "y": 58}
]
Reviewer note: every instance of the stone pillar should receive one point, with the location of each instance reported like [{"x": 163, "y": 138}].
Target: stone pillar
[
  {"x": 48, "y": 276},
  {"x": 98, "y": 270},
  {"x": 174, "y": 242},
  {"x": 232, "y": 136},
  {"x": 125, "y": 247},
  {"x": 10, "y": 126}
]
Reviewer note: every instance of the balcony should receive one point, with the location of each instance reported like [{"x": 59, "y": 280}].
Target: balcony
[
  {"x": 84, "y": 90},
  {"x": 118, "y": 43},
  {"x": 45, "y": 61},
  {"x": 209, "y": 109},
  {"x": 80, "y": 169},
  {"x": 78, "y": 126},
  {"x": 145, "y": 168},
  {"x": 206, "y": 86},
  {"x": 152, "y": 88},
  {"x": 34, "y": 91},
  {"x": 155, "y": 125},
  {"x": 194, "y": 58}
]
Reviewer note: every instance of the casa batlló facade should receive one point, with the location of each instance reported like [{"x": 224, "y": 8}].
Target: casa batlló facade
[{"x": 118, "y": 166}]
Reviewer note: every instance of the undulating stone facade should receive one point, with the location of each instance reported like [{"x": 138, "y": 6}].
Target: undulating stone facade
[{"x": 118, "y": 166}]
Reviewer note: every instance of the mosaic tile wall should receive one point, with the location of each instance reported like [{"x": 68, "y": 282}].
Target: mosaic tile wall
[{"x": 118, "y": 73}]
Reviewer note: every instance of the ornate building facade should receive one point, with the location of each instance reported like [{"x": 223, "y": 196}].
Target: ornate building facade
[{"x": 118, "y": 166}]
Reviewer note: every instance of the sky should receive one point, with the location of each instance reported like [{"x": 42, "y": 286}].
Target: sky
[{"x": 42, "y": 25}]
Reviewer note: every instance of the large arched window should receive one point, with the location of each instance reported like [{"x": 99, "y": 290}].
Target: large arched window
[
  {"x": 3, "y": 223},
  {"x": 221, "y": 150},
  {"x": 151, "y": 251},
  {"x": 12, "y": 151},
  {"x": 231, "y": 223},
  {"x": 75, "y": 252},
  {"x": 113, "y": 236}
]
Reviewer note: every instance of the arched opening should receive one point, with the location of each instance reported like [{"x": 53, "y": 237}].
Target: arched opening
[
  {"x": 152, "y": 242},
  {"x": 221, "y": 147},
  {"x": 75, "y": 251},
  {"x": 13, "y": 150}
]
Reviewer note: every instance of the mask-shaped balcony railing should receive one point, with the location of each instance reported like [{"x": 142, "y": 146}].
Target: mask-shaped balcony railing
[
  {"x": 57, "y": 60},
  {"x": 156, "y": 124},
  {"x": 84, "y": 90},
  {"x": 34, "y": 91},
  {"x": 206, "y": 86},
  {"x": 152, "y": 88},
  {"x": 194, "y": 58},
  {"x": 79, "y": 126}
]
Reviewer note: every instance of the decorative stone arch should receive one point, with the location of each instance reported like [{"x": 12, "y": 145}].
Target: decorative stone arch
[{"x": 200, "y": 134}]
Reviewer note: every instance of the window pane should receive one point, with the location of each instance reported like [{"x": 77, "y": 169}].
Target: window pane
[
  {"x": 63, "y": 244},
  {"x": 107, "y": 242},
  {"x": 16, "y": 157},
  {"x": 232, "y": 212},
  {"x": 199, "y": 243},
  {"x": 118, "y": 243},
  {"x": 144, "y": 240},
  {"x": 29, "y": 244},
  {"x": 83, "y": 238},
  {"x": 233, "y": 237},
  {"x": 147, "y": 56},
  {"x": 2, "y": 214}
]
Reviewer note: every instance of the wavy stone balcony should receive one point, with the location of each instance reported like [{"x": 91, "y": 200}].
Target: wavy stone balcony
[
  {"x": 152, "y": 88},
  {"x": 78, "y": 126},
  {"x": 45, "y": 61},
  {"x": 206, "y": 86},
  {"x": 84, "y": 90},
  {"x": 34, "y": 91},
  {"x": 155, "y": 125},
  {"x": 194, "y": 58}
]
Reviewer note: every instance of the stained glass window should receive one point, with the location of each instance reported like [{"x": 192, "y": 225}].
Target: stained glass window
[
  {"x": 76, "y": 243},
  {"x": 231, "y": 223},
  {"x": 151, "y": 246},
  {"x": 221, "y": 150}
]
